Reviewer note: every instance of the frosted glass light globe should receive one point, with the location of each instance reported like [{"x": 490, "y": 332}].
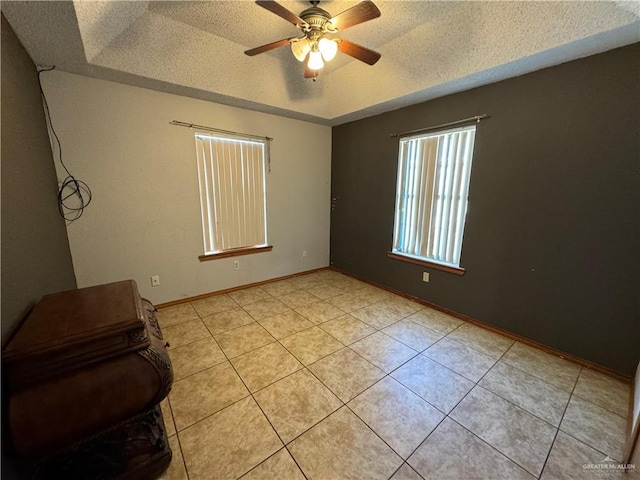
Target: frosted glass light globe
[
  {"x": 315, "y": 61},
  {"x": 328, "y": 48}
]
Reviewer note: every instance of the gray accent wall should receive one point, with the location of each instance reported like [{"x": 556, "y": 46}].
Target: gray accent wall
[
  {"x": 35, "y": 250},
  {"x": 552, "y": 239}
]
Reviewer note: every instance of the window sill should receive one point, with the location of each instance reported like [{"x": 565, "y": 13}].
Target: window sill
[
  {"x": 426, "y": 263},
  {"x": 235, "y": 252}
]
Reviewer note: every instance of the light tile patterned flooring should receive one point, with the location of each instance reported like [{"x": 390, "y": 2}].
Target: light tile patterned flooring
[{"x": 326, "y": 377}]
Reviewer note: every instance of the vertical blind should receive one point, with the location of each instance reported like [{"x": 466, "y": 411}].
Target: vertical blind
[
  {"x": 431, "y": 196},
  {"x": 231, "y": 174}
]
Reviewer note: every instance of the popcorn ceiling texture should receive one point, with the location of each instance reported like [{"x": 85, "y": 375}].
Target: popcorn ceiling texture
[{"x": 428, "y": 48}]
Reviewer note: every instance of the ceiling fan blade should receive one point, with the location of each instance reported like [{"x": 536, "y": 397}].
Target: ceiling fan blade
[
  {"x": 282, "y": 12},
  {"x": 360, "y": 53},
  {"x": 360, "y": 13},
  {"x": 269, "y": 46}
]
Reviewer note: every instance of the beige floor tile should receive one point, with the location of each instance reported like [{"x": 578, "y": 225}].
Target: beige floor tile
[
  {"x": 167, "y": 416},
  {"x": 480, "y": 339},
  {"x": 372, "y": 294},
  {"x": 364, "y": 288},
  {"x": 569, "y": 457},
  {"x": 348, "y": 302},
  {"x": 185, "y": 333},
  {"x": 249, "y": 295},
  {"x": 296, "y": 403},
  {"x": 453, "y": 453},
  {"x": 210, "y": 305},
  {"x": 266, "y": 308},
  {"x": 342, "y": 447},
  {"x": 279, "y": 466},
  {"x": 228, "y": 320},
  {"x": 364, "y": 285},
  {"x": 400, "y": 306},
  {"x": 305, "y": 281},
  {"x": 346, "y": 373},
  {"x": 205, "y": 393},
  {"x": 438, "y": 385},
  {"x": 517, "y": 434},
  {"x": 177, "y": 314},
  {"x": 434, "y": 320},
  {"x": 347, "y": 329},
  {"x": 534, "y": 395},
  {"x": 595, "y": 426},
  {"x": 324, "y": 291},
  {"x": 243, "y": 339},
  {"x": 348, "y": 284},
  {"x": 319, "y": 312},
  {"x": 461, "y": 359},
  {"x": 265, "y": 365},
  {"x": 327, "y": 275},
  {"x": 400, "y": 417},
  {"x": 285, "y": 324},
  {"x": 377, "y": 316},
  {"x": 227, "y": 434},
  {"x": 604, "y": 391},
  {"x": 549, "y": 368},
  {"x": 176, "y": 469},
  {"x": 383, "y": 351},
  {"x": 195, "y": 357},
  {"x": 277, "y": 289},
  {"x": 229, "y": 443},
  {"x": 413, "y": 335},
  {"x": 311, "y": 345},
  {"x": 405, "y": 472},
  {"x": 298, "y": 299}
]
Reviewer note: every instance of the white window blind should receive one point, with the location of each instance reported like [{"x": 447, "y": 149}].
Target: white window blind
[
  {"x": 232, "y": 181},
  {"x": 431, "y": 196}
]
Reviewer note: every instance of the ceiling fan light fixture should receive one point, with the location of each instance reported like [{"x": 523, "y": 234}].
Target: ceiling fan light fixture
[
  {"x": 314, "y": 45},
  {"x": 328, "y": 48},
  {"x": 315, "y": 60},
  {"x": 301, "y": 48}
]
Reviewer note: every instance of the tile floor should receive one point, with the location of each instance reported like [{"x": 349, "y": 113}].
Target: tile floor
[{"x": 325, "y": 377}]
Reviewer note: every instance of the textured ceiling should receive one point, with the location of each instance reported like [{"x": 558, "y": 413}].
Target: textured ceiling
[{"x": 429, "y": 48}]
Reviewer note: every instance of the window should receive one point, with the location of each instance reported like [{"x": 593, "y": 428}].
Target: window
[
  {"x": 431, "y": 197},
  {"x": 232, "y": 180}
]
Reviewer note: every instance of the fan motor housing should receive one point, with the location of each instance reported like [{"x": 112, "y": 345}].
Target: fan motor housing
[{"x": 316, "y": 18}]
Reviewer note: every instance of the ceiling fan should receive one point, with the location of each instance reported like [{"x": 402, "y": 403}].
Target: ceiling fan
[{"x": 318, "y": 43}]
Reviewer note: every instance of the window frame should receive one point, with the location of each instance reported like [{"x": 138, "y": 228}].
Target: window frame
[
  {"x": 402, "y": 191},
  {"x": 208, "y": 205}
]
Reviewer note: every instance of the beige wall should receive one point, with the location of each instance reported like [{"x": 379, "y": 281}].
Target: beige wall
[{"x": 145, "y": 215}]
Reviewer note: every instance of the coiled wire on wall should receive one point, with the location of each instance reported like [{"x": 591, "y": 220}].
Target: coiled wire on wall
[{"x": 73, "y": 195}]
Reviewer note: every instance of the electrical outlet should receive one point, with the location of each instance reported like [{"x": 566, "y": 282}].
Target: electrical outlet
[
  {"x": 425, "y": 276},
  {"x": 155, "y": 281},
  {"x": 236, "y": 264},
  {"x": 304, "y": 254}
]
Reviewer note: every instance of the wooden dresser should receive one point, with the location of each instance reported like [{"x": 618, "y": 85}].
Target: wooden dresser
[{"x": 86, "y": 372}]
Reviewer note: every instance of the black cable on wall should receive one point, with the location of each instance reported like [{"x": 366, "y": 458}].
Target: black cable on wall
[{"x": 73, "y": 195}]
